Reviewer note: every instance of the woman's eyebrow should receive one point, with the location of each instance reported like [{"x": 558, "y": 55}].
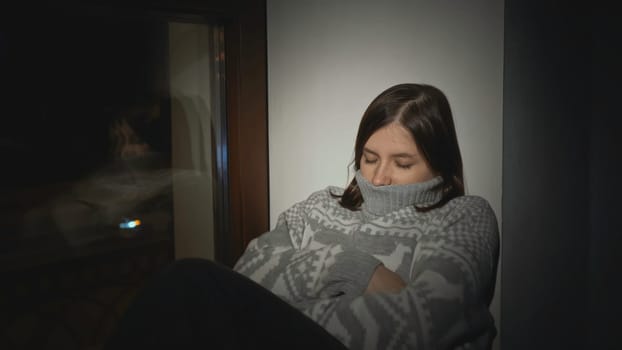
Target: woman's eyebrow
[
  {"x": 396, "y": 155},
  {"x": 404, "y": 155},
  {"x": 367, "y": 150}
]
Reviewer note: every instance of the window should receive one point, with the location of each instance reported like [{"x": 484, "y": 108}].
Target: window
[{"x": 125, "y": 144}]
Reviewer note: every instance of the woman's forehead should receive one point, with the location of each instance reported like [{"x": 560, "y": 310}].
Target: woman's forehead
[{"x": 394, "y": 141}]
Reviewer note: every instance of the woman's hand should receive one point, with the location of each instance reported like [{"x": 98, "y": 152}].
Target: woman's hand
[{"x": 385, "y": 280}]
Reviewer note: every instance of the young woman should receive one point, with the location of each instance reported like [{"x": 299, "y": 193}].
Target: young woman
[{"x": 400, "y": 259}]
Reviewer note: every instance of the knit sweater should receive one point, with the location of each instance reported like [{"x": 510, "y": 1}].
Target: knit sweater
[{"x": 320, "y": 258}]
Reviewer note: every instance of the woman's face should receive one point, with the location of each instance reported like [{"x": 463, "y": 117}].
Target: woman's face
[{"x": 391, "y": 157}]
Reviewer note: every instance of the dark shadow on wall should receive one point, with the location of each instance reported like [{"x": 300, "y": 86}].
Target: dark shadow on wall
[{"x": 561, "y": 190}]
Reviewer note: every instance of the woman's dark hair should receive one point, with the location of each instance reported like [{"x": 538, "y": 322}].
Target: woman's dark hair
[{"x": 425, "y": 112}]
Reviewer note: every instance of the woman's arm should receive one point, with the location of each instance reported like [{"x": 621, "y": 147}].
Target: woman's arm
[
  {"x": 444, "y": 306},
  {"x": 286, "y": 261},
  {"x": 385, "y": 281}
]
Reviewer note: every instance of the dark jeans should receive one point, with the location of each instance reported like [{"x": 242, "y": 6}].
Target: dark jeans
[{"x": 198, "y": 303}]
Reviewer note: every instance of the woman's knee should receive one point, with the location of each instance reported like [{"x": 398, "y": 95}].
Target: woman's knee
[
  {"x": 190, "y": 264},
  {"x": 197, "y": 270}
]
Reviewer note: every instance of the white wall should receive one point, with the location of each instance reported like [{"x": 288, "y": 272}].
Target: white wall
[{"x": 328, "y": 59}]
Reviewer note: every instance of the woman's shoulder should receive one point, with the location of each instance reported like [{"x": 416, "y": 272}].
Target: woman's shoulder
[
  {"x": 327, "y": 196},
  {"x": 469, "y": 205},
  {"x": 326, "y": 192},
  {"x": 470, "y": 201}
]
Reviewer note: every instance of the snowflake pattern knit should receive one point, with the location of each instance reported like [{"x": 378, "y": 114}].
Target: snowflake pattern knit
[{"x": 321, "y": 256}]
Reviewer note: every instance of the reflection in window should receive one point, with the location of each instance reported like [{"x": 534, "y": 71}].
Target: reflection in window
[
  {"x": 113, "y": 156},
  {"x": 109, "y": 136},
  {"x": 196, "y": 66}
]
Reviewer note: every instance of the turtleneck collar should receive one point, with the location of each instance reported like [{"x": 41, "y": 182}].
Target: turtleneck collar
[{"x": 381, "y": 200}]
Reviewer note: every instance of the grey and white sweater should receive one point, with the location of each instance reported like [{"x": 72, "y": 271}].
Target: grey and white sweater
[{"x": 321, "y": 256}]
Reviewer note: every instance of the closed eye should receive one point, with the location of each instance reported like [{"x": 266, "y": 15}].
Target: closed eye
[
  {"x": 370, "y": 161},
  {"x": 405, "y": 166}
]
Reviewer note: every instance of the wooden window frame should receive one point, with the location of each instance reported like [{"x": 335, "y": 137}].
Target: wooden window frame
[
  {"x": 246, "y": 204},
  {"x": 246, "y": 91}
]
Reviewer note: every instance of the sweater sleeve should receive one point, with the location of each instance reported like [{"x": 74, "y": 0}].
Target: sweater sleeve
[
  {"x": 445, "y": 304},
  {"x": 289, "y": 263}
]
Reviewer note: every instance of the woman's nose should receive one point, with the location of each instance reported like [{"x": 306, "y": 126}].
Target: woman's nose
[{"x": 381, "y": 177}]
